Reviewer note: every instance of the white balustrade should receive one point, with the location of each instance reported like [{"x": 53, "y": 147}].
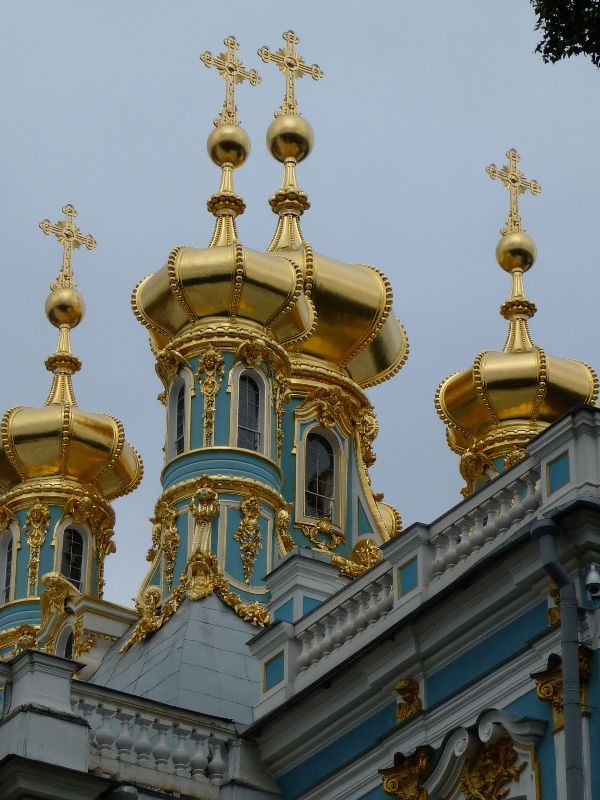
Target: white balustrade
[{"x": 129, "y": 741}]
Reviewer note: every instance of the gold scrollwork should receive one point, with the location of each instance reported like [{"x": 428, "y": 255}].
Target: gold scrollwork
[
  {"x": 151, "y": 617},
  {"x": 486, "y": 775},
  {"x": 248, "y": 534},
  {"x": 367, "y": 428},
  {"x": 205, "y": 501},
  {"x": 83, "y": 640},
  {"x": 549, "y": 684},
  {"x": 333, "y": 406},
  {"x": 167, "y": 366},
  {"x": 323, "y": 528},
  {"x": 36, "y": 527},
  {"x": 282, "y": 528},
  {"x": 26, "y": 639},
  {"x": 57, "y": 590},
  {"x": 6, "y": 517},
  {"x": 281, "y": 396},
  {"x": 165, "y": 537},
  {"x": 410, "y": 702},
  {"x": 404, "y": 779},
  {"x": 211, "y": 368}
]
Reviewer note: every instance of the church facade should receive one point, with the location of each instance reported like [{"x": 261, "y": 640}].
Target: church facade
[{"x": 290, "y": 639}]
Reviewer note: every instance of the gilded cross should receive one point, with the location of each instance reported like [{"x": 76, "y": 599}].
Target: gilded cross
[
  {"x": 70, "y": 237},
  {"x": 292, "y": 65},
  {"x": 516, "y": 183},
  {"x": 234, "y": 72}
]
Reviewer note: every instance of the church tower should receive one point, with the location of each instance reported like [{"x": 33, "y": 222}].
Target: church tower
[
  {"x": 264, "y": 357},
  {"x": 506, "y": 398},
  {"x": 60, "y": 468}
]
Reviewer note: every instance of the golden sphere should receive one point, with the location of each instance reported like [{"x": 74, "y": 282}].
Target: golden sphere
[
  {"x": 228, "y": 144},
  {"x": 516, "y": 251},
  {"x": 65, "y": 307},
  {"x": 290, "y": 136}
]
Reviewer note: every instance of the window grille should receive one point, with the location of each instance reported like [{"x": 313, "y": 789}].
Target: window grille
[
  {"x": 319, "y": 476},
  {"x": 72, "y": 557},
  {"x": 248, "y": 413},
  {"x": 7, "y": 570},
  {"x": 180, "y": 421}
]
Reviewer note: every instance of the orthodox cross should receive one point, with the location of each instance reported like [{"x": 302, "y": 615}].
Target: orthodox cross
[
  {"x": 516, "y": 183},
  {"x": 234, "y": 72},
  {"x": 69, "y": 235},
  {"x": 292, "y": 65}
]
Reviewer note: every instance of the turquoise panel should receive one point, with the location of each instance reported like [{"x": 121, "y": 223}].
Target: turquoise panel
[
  {"x": 558, "y": 473},
  {"x": 233, "y": 560},
  {"x": 332, "y": 757},
  {"x": 408, "y": 576},
  {"x": 182, "y": 550},
  {"x": 288, "y": 458},
  {"x": 531, "y": 706},
  {"x": 221, "y": 461},
  {"x": 274, "y": 671},
  {"x": 499, "y": 463},
  {"x": 364, "y": 524},
  {"x": 480, "y": 659},
  {"x": 47, "y": 551},
  {"x": 376, "y": 794},
  {"x": 308, "y": 603},
  {"x": 284, "y": 613},
  {"x": 223, "y": 405},
  {"x": 24, "y": 613}
]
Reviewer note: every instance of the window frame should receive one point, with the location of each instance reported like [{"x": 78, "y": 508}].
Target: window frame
[
  {"x": 265, "y": 407},
  {"x": 9, "y": 535},
  {"x": 340, "y": 455},
  {"x": 185, "y": 379},
  {"x": 86, "y": 559}
]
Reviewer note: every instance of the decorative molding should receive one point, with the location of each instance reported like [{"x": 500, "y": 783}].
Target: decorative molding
[
  {"x": 282, "y": 523},
  {"x": 281, "y": 396},
  {"x": 410, "y": 702},
  {"x": 100, "y": 519},
  {"x": 248, "y": 534},
  {"x": 165, "y": 539},
  {"x": 6, "y": 517},
  {"x": 83, "y": 640},
  {"x": 36, "y": 527},
  {"x": 549, "y": 684},
  {"x": 485, "y": 775},
  {"x": 367, "y": 428},
  {"x": 211, "y": 368},
  {"x": 323, "y": 528},
  {"x": 26, "y": 639},
  {"x": 404, "y": 779},
  {"x": 332, "y": 406}
]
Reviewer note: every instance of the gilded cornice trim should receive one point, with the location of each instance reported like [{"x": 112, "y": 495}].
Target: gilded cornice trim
[
  {"x": 226, "y": 484},
  {"x": 117, "y": 448},
  {"x": 140, "y": 316},
  {"x": 593, "y": 396},
  {"x": 480, "y": 389},
  {"x": 394, "y": 368},
  {"x": 237, "y": 280},
  {"x": 7, "y": 443},
  {"x": 292, "y": 297},
  {"x": 542, "y": 384}
]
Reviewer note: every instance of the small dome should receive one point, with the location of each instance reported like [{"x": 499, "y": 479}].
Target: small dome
[{"x": 61, "y": 441}]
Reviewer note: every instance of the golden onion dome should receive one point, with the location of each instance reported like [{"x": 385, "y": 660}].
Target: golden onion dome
[
  {"x": 507, "y": 397},
  {"x": 59, "y": 445},
  {"x": 355, "y": 328}
]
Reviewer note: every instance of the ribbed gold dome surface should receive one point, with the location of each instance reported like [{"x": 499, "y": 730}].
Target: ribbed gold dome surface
[{"x": 507, "y": 397}]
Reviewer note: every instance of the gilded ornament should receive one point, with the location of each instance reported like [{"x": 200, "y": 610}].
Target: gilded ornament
[
  {"x": 83, "y": 640},
  {"x": 71, "y": 238},
  {"x": 367, "y": 428},
  {"x": 57, "y": 590},
  {"x": 205, "y": 502},
  {"x": 323, "y": 528},
  {"x": 6, "y": 517},
  {"x": 204, "y": 574},
  {"x": 516, "y": 183},
  {"x": 248, "y": 534},
  {"x": 167, "y": 366},
  {"x": 404, "y": 779},
  {"x": 281, "y": 396},
  {"x": 233, "y": 71},
  {"x": 151, "y": 617},
  {"x": 26, "y": 639},
  {"x": 165, "y": 537},
  {"x": 549, "y": 684},
  {"x": 282, "y": 528},
  {"x": 210, "y": 374},
  {"x": 487, "y": 775},
  {"x": 36, "y": 527},
  {"x": 100, "y": 519},
  {"x": 553, "y": 613},
  {"x": 255, "y": 352},
  {"x": 513, "y": 456},
  {"x": 410, "y": 702},
  {"x": 366, "y": 553},
  {"x": 333, "y": 406},
  {"x": 291, "y": 63}
]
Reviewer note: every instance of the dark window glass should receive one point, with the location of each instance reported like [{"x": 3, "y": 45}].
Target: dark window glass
[
  {"x": 7, "y": 570},
  {"x": 69, "y": 646},
  {"x": 248, "y": 413},
  {"x": 72, "y": 557},
  {"x": 320, "y": 477},
  {"x": 180, "y": 420}
]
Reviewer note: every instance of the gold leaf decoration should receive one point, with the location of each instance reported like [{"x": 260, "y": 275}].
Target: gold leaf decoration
[
  {"x": 248, "y": 534},
  {"x": 486, "y": 775},
  {"x": 408, "y": 689},
  {"x": 404, "y": 779},
  {"x": 36, "y": 527},
  {"x": 210, "y": 374}
]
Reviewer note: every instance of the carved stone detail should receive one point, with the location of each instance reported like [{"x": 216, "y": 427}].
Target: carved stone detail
[
  {"x": 410, "y": 702},
  {"x": 248, "y": 534}
]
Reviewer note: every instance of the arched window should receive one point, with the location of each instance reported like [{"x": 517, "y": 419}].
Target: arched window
[
  {"x": 319, "y": 468},
  {"x": 68, "y": 651},
  {"x": 180, "y": 421},
  {"x": 249, "y": 413},
  {"x": 72, "y": 557},
  {"x": 6, "y": 577}
]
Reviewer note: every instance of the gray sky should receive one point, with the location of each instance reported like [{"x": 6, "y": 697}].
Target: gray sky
[{"x": 107, "y": 106}]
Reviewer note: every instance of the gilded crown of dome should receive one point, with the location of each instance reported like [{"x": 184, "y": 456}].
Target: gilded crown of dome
[
  {"x": 325, "y": 309},
  {"x": 507, "y": 397},
  {"x": 59, "y": 446}
]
